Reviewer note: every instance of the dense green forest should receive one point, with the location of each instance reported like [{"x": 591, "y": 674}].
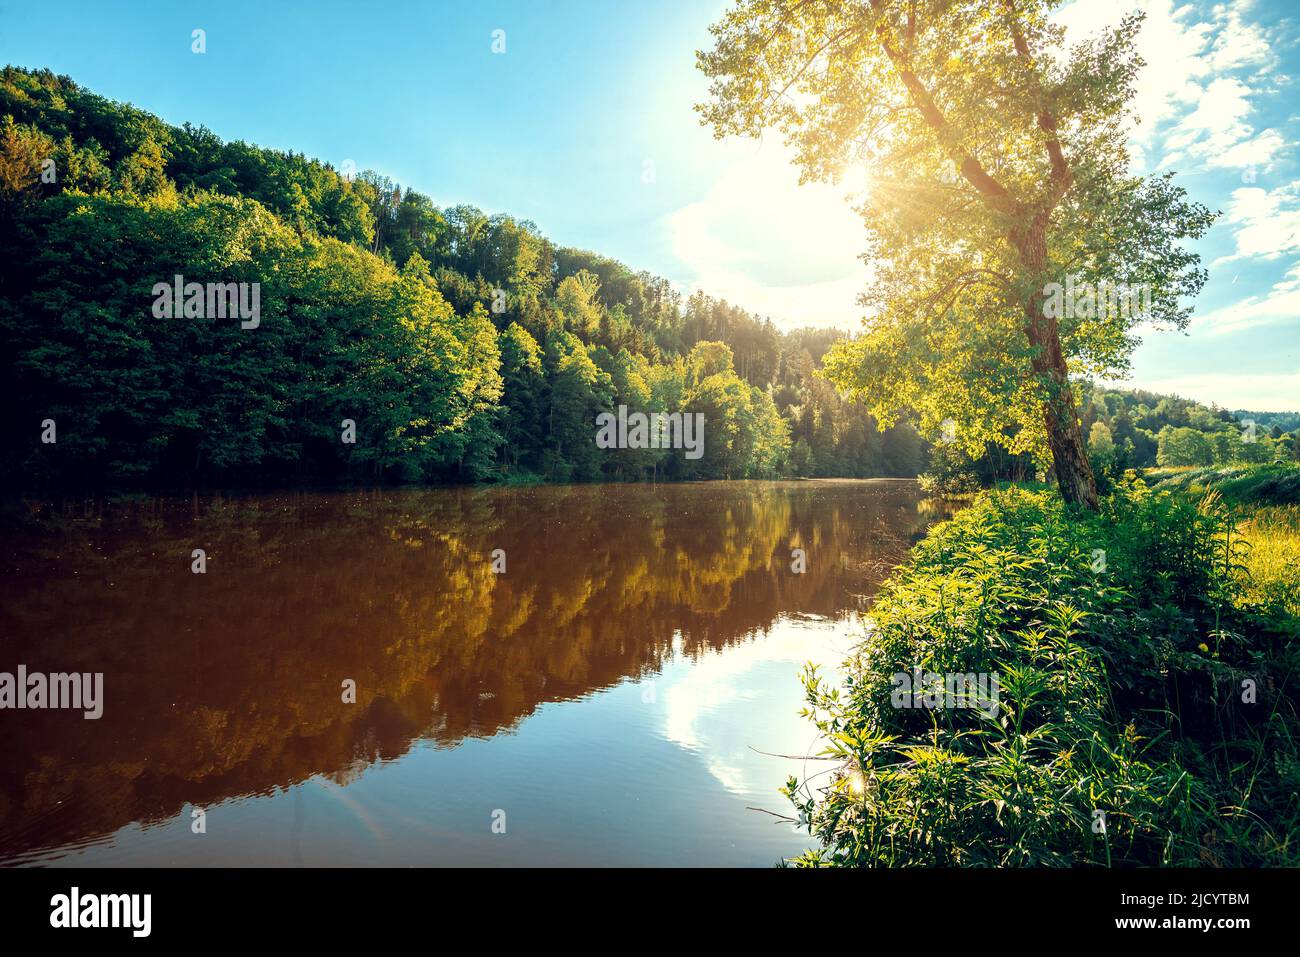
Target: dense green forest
[
  {"x": 1137, "y": 429},
  {"x": 459, "y": 345}
]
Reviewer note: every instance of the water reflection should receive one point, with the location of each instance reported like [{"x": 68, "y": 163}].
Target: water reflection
[{"x": 227, "y": 684}]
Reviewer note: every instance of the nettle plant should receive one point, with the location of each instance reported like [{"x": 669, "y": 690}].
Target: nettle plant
[{"x": 996, "y": 166}]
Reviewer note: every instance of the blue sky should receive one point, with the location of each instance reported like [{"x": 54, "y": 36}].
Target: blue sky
[{"x": 584, "y": 125}]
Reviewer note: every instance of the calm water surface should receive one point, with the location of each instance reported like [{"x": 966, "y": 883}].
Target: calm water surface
[{"x": 610, "y": 693}]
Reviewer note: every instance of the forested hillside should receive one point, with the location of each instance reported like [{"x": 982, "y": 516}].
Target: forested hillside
[
  {"x": 460, "y": 345},
  {"x": 1137, "y": 429}
]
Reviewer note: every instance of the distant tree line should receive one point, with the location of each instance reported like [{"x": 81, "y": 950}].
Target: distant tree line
[
  {"x": 1137, "y": 429},
  {"x": 453, "y": 344}
]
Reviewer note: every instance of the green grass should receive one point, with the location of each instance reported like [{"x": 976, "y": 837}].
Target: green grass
[
  {"x": 1272, "y": 561},
  {"x": 1266, "y": 484},
  {"x": 1122, "y": 695},
  {"x": 1265, "y": 502}
]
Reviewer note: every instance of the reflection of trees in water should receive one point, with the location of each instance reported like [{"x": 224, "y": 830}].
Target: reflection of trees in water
[{"x": 229, "y": 683}]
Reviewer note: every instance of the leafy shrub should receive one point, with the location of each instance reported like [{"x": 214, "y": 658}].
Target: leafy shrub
[
  {"x": 950, "y": 472},
  {"x": 1121, "y": 640}
]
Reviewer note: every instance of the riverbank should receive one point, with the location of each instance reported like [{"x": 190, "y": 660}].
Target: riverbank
[{"x": 1146, "y": 714}]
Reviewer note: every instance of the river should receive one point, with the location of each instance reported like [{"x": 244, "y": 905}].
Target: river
[{"x": 610, "y": 688}]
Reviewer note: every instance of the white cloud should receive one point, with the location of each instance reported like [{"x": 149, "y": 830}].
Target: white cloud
[
  {"x": 761, "y": 241},
  {"x": 1257, "y": 153},
  {"x": 1280, "y": 303},
  {"x": 1175, "y": 51},
  {"x": 1267, "y": 222},
  {"x": 1218, "y": 122},
  {"x": 1240, "y": 44},
  {"x": 1187, "y": 60}
]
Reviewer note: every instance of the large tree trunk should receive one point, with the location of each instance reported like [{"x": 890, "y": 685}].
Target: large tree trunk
[{"x": 1064, "y": 437}]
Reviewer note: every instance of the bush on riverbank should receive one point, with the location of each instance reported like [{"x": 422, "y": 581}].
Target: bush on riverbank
[{"x": 1146, "y": 712}]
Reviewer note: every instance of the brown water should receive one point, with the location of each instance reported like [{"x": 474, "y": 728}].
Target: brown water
[{"x": 605, "y": 700}]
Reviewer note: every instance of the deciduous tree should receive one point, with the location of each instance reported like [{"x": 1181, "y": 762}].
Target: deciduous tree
[{"x": 996, "y": 166}]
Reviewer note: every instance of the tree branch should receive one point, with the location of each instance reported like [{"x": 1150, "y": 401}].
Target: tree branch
[
  {"x": 995, "y": 194},
  {"x": 811, "y": 60},
  {"x": 1062, "y": 177}
]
